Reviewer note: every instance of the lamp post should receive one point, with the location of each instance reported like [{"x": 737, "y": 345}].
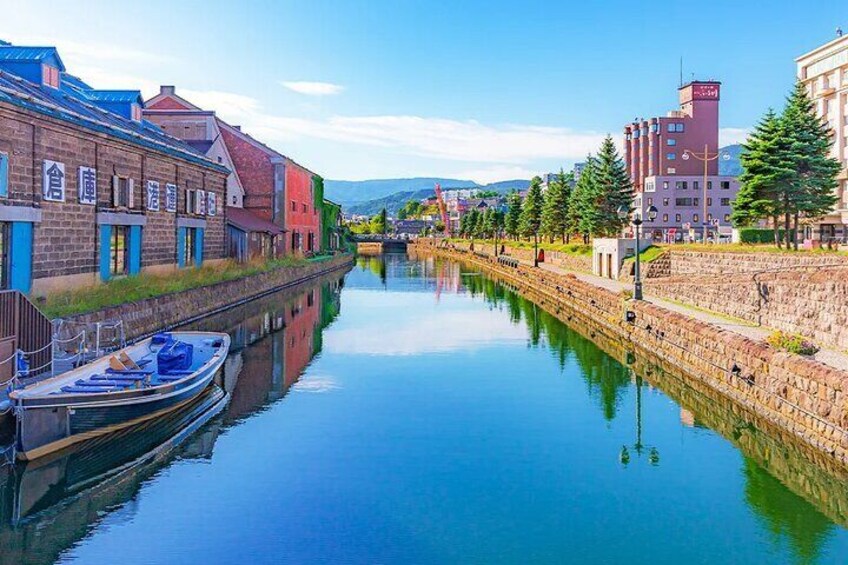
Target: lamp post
[
  {"x": 706, "y": 157},
  {"x": 624, "y": 214}
]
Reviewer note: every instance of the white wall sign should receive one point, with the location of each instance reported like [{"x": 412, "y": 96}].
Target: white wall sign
[
  {"x": 153, "y": 195},
  {"x": 53, "y": 181},
  {"x": 170, "y": 198},
  {"x": 212, "y": 205},
  {"x": 201, "y": 203},
  {"x": 87, "y": 185}
]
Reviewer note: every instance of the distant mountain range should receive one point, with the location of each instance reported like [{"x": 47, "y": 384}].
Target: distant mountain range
[
  {"x": 347, "y": 192},
  {"x": 368, "y": 197},
  {"x": 732, "y": 166},
  {"x": 394, "y": 202}
]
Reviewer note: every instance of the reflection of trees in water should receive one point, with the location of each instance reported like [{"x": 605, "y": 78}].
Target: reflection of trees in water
[
  {"x": 606, "y": 378},
  {"x": 785, "y": 514}
]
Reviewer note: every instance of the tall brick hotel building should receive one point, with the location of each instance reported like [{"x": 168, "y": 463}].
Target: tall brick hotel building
[
  {"x": 89, "y": 190},
  {"x": 664, "y": 176}
]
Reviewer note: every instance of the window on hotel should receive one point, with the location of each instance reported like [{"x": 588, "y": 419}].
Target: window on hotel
[
  {"x": 671, "y": 156},
  {"x": 119, "y": 251},
  {"x": 670, "y": 141},
  {"x": 665, "y": 217},
  {"x": 696, "y": 218},
  {"x": 727, "y": 217},
  {"x": 670, "y": 128},
  {"x": 696, "y": 202},
  {"x": 681, "y": 185},
  {"x": 304, "y": 208},
  {"x": 709, "y": 217},
  {"x": 293, "y": 206},
  {"x": 695, "y": 185},
  {"x": 709, "y": 185},
  {"x": 650, "y": 201},
  {"x": 725, "y": 185},
  {"x": 709, "y": 201},
  {"x": 677, "y": 217},
  {"x": 654, "y": 127},
  {"x": 665, "y": 185},
  {"x": 636, "y": 134},
  {"x": 678, "y": 128},
  {"x": 665, "y": 201},
  {"x": 4, "y": 174},
  {"x": 725, "y": 201},
  {"x": 683, "y": 202}
]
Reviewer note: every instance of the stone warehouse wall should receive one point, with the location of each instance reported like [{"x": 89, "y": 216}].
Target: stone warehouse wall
[
  {"x": 152, "y": 315},
  {"x": 809, "y": 302},
  {"x": 800, "y": 396}
]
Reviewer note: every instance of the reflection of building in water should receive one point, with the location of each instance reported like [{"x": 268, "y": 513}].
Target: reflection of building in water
[
  {"x": 687, "y": 418},
  {"x": 50, "y": 504}
]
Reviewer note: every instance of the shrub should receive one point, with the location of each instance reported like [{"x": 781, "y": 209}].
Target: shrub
[
  {"x": 792, "y": 343},
  {"x": 757, "y": 235}
]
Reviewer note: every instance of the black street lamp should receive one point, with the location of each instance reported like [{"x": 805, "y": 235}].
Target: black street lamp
[{"x": 624, "y": 214}]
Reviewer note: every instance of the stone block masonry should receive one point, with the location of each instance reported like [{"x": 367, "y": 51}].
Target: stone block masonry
[
  {"x": 799, "y": 396},
  {"x": 165, "y": 312}
]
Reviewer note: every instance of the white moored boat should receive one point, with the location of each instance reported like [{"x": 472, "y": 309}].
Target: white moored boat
[{"x": 128, "y": 386}]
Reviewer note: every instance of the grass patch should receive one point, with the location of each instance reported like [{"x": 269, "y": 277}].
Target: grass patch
[
  {"x": 567, "y": 248},
  {"x": 139, "y": 287}
]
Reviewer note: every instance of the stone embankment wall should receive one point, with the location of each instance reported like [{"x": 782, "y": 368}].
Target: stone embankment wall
[
  {"x": 800, "y": 396},
  {"x": 811, "y": 302},
  {"x": 681, "y": 263},
  {"x": 152, "y": 315},
  {"x": 564, "y": 260}
]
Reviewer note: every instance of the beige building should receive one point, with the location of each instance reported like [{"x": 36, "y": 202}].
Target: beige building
[{"x": 824, "y": 71}]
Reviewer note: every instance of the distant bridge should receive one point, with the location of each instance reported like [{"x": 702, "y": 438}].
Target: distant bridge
[{"x": 380, "y": 244}]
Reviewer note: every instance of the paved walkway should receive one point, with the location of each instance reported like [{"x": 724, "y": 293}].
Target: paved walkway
[{"x": 832, "y": 357}]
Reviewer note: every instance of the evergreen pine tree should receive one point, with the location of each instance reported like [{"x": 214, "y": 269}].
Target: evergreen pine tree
[
  {"x": 489, "y": 222},
  {"x": 814, "y": 181},
  {"x": 613, "y": 190},
  {"x": 583, "y": 210},
  {"x": 555, "y": 208},
  {"x": 531, "y": 215},
  {"x": 513, "y": 215},
  {"x": 766, "y": 169}
]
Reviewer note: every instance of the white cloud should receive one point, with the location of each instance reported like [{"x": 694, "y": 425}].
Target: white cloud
[
  {"x": 494, "y": 174},
  {"x": 732, "y": 136},
  {"x": 313, "y": 88},
  {"x": 232, "y": 107},
  {"x": 430, "y": 137}
]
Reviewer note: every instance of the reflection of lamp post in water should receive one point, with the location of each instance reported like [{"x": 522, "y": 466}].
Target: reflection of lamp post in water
[
  {"x": 638, "y": 447},
  {"x": 706, "y": 157}
]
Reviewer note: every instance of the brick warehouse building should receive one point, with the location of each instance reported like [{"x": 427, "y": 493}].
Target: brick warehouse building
[
  {"x": 88, "y": 190},
  {"x": 664, "y": 176},
  {"x": 269, "y": 193}
]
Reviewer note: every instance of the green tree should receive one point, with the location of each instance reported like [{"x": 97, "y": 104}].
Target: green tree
[
  {"x": 814, "y": 180},
  {"x": 531, "y": 215},
  {"x": 513, "y": 215},
  {"x": 582, "y": 212},
  {"x": 379, "y": 223},
  {"x": 479, "y": 221},
  {"x": 766, "y": 168},
  {"x": 555, "y": 208},
  {"x": 613, "y": 190}
]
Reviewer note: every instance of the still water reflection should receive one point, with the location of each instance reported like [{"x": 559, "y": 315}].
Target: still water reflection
[{"x": 418, "y": 412}]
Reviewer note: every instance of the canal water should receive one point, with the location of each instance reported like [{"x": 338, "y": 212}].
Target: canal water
[{"x": 416, "y": 411}]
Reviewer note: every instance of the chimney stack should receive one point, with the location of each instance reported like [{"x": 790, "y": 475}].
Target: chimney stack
[{"x": 166, "y": 89}]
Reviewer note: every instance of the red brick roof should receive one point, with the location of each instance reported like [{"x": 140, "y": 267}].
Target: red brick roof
[{"x": 248, "y": 222}]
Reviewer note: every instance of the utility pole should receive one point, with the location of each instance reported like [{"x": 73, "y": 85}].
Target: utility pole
[{"x": 706, "y": 157}]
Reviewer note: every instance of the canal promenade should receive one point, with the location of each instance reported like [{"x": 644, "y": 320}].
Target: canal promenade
[{"x": 802, "y": 396}]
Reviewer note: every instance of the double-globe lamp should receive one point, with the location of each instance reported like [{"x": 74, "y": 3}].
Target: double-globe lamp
[{"x": 624, "y": 213}]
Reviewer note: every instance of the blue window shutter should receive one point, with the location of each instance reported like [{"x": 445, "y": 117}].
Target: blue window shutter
[
  {"x": 198, "y": 246},
  {"x": 4, "y": 174},
  {"x": 181, "y": 247},
  {"x": 20, "y": 257},
  {"x": 105, "y": 241},
  {"x": 135, "y": 250}
]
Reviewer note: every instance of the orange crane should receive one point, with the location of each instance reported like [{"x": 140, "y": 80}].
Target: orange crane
[{"x": 443, "y": 210}]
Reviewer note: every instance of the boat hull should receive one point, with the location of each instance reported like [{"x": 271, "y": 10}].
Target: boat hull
[{"x": 46, "y": 425}]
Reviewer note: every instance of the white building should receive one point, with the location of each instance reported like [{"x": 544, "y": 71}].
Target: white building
[{"x": 824, "y": 71}]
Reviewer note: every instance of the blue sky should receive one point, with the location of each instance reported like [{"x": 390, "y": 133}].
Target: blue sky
[{"x": 482, "y": 90}]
